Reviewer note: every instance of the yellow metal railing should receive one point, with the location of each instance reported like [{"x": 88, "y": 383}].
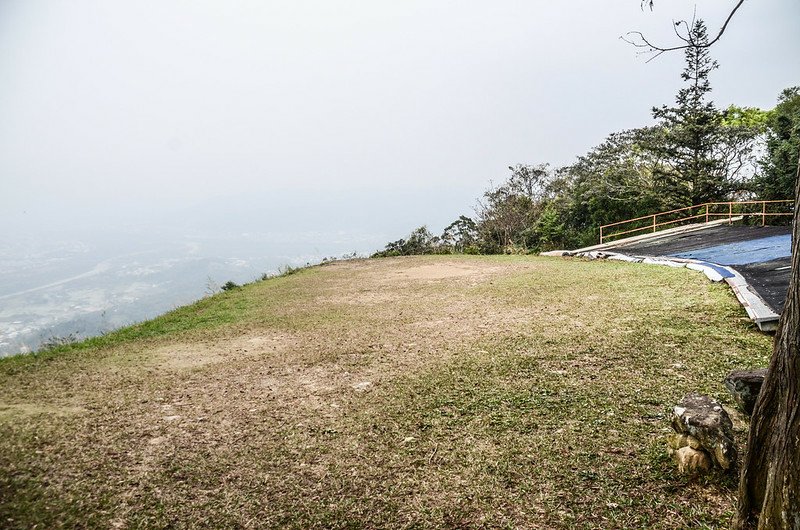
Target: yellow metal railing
[{"x": 706, "y": 212}]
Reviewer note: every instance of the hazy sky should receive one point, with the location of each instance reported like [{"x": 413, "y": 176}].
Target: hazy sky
[{"x": 137, "y": 111}]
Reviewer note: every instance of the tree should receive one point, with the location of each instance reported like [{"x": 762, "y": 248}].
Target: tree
[
  {"x": 529, "y": 181},
  {"x": 637, "y": 38},
  {"x": 616, "y": 179},
  {"x": 692, "y": 129},
  {"x": 769, "y": 487},
  {"x": 507, "y": 213},
  {"x": 550, "y": 228},
  {"x": 741, "y": 139},
  {"x": 783, "y": 143},
  {"x": 613, "y": 181},
  {"x": 460, "y": 234},
  {"x": 419, "y": 241}
]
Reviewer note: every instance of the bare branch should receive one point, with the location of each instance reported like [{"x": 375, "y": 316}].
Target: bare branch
[
  {"x": 648, "y": 47},
  {"x": 688, "y": 38}
]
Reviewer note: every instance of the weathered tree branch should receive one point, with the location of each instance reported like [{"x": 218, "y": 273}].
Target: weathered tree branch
[{"x": 638, "y": 40}]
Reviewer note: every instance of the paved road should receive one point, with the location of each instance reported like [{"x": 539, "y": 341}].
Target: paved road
[{"x": 761, "y": 254}]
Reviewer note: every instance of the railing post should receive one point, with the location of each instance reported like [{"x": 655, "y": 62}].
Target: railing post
[
  {"x": 730, "y": 213},
  {"x": 654, "y": 222},
  {"x": 706, "y": 212},
  {"x": 763, "y": 213},
  {"x": 601, "y": 235}
]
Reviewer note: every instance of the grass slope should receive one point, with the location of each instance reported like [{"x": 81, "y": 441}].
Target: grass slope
[{"x": 413, "y": 392}]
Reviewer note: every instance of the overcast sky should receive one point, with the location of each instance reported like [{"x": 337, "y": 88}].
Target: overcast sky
[{"x": 151, "y": 110}]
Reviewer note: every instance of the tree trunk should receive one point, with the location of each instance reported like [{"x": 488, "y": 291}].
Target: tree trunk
[{"x": 769, "y": 487}]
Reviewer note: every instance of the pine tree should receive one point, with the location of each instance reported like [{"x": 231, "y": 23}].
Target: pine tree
[{"x": 690, "y": 130}]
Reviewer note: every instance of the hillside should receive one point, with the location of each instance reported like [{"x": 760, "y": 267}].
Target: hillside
[{"x": 427, "y": 391}]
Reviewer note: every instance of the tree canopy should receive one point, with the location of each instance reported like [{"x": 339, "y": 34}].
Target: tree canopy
[
  {"x": 693, "y": 152},
  {"x": 782, "y": 144}
]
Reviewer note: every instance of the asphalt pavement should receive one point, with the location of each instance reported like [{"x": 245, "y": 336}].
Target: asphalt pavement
[{"x": 761, "y": 254}]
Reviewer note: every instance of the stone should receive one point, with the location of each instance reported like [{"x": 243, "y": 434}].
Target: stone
[
  {"x": 704, "y": 419},
  {"x": 744, "y": 386},
  {"x": 362, "y": 386},
  {"x": 676, "y": 441},
  {"x": 692, "y": 460}
]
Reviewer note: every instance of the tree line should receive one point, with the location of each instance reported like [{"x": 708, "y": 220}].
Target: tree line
[{"x": 693, "y": 153}]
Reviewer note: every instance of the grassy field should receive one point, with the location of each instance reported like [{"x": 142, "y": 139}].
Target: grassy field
[{"x": 457, "y": 392}]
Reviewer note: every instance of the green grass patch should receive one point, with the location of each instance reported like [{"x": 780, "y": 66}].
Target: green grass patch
[{"x": 486, "y": 392}]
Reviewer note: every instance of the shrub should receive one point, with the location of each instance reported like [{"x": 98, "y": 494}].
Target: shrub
[{"x": 229, "y": 286}]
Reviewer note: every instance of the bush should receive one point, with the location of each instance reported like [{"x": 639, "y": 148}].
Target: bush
[{"x": 229, "y": 286}]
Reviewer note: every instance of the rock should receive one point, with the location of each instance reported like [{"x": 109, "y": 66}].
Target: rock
[
  {"x": 676, "y": 441},
  {"x": 703, "y": 419},
  {"x": 691, "y": 460},
  {"x": 688, "y": 453},
  {"x": 744, "y": 386},
  {"x": 362, "y": 386}
]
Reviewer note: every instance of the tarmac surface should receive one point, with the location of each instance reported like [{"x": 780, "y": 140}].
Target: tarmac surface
[{"x": 761, "y": 254}]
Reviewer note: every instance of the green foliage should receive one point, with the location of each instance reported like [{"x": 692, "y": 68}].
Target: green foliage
[
  {"x": 508, "y": 213},
  {"x": 741, "y": 136},
  {"x": 549, "y": 227},
  {"x": 229, "y": 286},
  {"x": 615, "y": 180},
  {"x": 783, "y": 148},
  {"x": 460, "y": 237},
  {"x": 692, "y": 174},
  {"x": 419, "y": 241},
  {"x": 694, "y": 153},
  {"x": 750, "y": 117},
  {"x": 460, "y": 234}
]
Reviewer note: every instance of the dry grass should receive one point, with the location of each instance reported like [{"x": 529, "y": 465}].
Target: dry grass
[{"x": 412, "y": 392}]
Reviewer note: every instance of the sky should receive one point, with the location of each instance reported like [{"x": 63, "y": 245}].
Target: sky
[{"x": 354, "y": 116}]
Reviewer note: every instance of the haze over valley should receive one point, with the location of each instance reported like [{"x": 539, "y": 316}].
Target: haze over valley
[{"x": 64, "y": 283}]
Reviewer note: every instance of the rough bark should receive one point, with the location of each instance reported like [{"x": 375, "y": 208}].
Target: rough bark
[
  {"x": 769, "y": 488},
  {"x": 744, "y": 386}
]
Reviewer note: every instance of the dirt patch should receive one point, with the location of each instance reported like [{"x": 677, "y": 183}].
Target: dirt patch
[
  {"x": 184, "y": 356},
  {"x": 437, "y": 272},
  {"x": 17, "y": 410}
]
